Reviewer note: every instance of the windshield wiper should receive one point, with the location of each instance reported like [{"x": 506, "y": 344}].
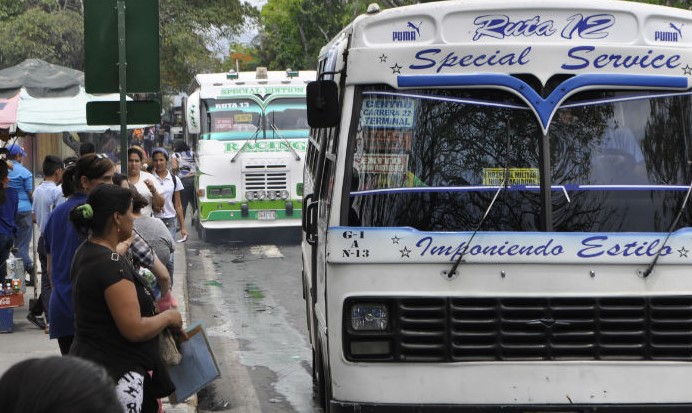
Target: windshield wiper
[
  {"x": 674, "y": 224},
  {"x": 253, "y": 137},
  {"x": 503, "y": 185},
  {"x": 453, "y": 270},
  {"x": 285, "y": 140}
]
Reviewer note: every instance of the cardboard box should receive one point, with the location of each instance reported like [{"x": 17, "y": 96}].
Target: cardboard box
[
  {"x": 6, "y": 321},
  {"x": 11, "y": 300}
]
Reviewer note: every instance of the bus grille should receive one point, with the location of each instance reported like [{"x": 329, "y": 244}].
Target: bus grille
[
  {"x": 535, "y": 329},
  {"x": 265, "y": 177}
]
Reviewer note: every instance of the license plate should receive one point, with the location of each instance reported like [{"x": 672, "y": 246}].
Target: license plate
[{"x": 266, "y": 215}]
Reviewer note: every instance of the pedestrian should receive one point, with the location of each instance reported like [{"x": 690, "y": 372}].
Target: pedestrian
[
  {"x": 117, "y": 322},
  {"x": 141, "y": 253},
  {"x": 22, "y": 180},
  {"x": 184, "y": 166},
  {"x": 155, "y": 233},
  {"x": 149, "y": 140},
  {"x": 169, "y": 186},
  {"x": 144, "y": 182},
  {"x": 57, "y": 385},
  {"x": 62, "y": 240},
  {"x": 46, "y": 197},
  {"x": 8, "y": 210}
]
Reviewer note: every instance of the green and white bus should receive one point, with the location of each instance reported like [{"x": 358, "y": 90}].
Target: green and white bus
[{"x": 249, "y": 132}]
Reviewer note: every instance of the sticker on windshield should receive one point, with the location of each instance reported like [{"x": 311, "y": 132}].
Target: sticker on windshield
[
  {"x": 516, "y": 176},
  {"x": 389, "y": 140},
  {"x": 376, "y": 163},
  {"x": 243, "y": 118},
  {"x": 378, "y": 112}
]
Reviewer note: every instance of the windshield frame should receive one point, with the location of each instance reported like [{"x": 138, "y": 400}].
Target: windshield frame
[{"x": 547, "y": 187}]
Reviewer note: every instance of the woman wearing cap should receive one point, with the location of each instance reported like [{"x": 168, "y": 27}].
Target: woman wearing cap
[{"x": 143, "y": 182}]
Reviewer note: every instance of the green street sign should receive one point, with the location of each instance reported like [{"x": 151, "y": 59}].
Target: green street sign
[
  {"x": 139, "y": 112},
  {"x": 101, "y": 46}
]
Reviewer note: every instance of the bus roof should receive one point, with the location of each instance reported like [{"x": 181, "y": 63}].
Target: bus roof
[
  {"x": 539, "y": 37},
  {"x": 221, "y": 85}
]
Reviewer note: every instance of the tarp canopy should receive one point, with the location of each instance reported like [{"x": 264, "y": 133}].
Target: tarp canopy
[
  {"x": 45, "y": 98},
  {"x": 65, "y": 114},
  {"x": 40, "y": 79},
  {"x": 8, "y": 112}
]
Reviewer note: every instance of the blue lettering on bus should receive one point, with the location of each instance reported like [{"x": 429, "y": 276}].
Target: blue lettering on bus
[
  {"x": 428, "y": 59},
  {"x": 589, "y": 27},
  {"x": 500, "y": 26},
  {"x": 598, "y": 246},
  {"x": 591, "y": 247},
  {"x": 582, "y": 57}
]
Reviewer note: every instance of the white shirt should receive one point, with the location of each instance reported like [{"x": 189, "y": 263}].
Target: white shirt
[
  {"x": 164, "y": 186},
  {"x": 145, "y": 192}
]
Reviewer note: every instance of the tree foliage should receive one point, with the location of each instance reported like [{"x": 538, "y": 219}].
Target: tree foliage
[
  {"x": 292, "y": 32},
  {"x": 53, "y": 30}
]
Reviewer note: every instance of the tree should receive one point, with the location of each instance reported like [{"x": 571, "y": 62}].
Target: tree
[
  {"x": 53, "y": 30},
  {"x": 292, "y": 32}
]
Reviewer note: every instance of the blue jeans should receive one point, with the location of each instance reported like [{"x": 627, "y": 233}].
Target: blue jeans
[{"x": 25, "y": 230}]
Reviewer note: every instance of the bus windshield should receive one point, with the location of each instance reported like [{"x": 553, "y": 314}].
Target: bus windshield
[
  {"x": 442, "y": 159},
  {"x": 235, "y": 119}
]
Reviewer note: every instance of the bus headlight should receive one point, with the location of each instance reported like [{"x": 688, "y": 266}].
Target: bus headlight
[
  {"x": 369, "y": 317},
  {"x": 249, "y": 195},
  {"x": 260, "y": 195},
  {"x": 271, "y": 195},
  {"x": 283, "y": 194}
]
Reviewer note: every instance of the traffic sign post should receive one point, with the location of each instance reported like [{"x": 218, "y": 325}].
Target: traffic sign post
[{"x": 112, "y": 64}]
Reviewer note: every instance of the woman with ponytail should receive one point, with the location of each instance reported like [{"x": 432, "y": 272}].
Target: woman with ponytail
[
  {"x": 62, "y": 240},
  {"x": 117, "y": 322},
  {"x": 8, "y": 230}
]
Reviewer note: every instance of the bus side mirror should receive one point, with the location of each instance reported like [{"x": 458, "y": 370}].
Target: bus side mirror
[{"x": 323, "y": 104}]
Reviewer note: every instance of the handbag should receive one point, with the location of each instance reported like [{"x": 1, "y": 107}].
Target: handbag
[{"x": 168, "y": 347}]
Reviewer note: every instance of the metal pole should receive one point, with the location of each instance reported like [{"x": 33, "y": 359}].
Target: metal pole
[{"x": 122, "y": 74}]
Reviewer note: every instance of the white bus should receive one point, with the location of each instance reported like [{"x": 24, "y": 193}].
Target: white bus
[
  {"x": 497, "y": 211},
  {"x": 249, "y": 133}
]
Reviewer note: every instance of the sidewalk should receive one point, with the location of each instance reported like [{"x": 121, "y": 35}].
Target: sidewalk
[{"x": 26, "y": 341}]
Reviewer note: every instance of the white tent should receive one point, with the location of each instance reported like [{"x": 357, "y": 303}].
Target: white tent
[{"x": 61, "y": 114}]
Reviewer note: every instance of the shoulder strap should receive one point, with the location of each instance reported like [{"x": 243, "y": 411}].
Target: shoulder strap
[{"x": 175, "y": 181}]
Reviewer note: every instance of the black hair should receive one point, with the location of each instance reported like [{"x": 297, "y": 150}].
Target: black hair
[
  {"x": 138, "y": 201},
  {"x": 58, "y": 385},
  {"x": 86, "y": 148},
  {"x": 104, "y": 200},
  {"x": 4, "y": 171},
  {"x": 51, "y": 165},
  {"x": 180, "y": 146},
  {"x": 70, "y": 160},
  {"x": 68, "y": 185},
  {"x": 91, "y": 166},
  {"x": 118, "y": 178}
]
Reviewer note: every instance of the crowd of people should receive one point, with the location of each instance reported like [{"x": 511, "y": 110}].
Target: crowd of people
[{"x": 105, "y": 248}]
